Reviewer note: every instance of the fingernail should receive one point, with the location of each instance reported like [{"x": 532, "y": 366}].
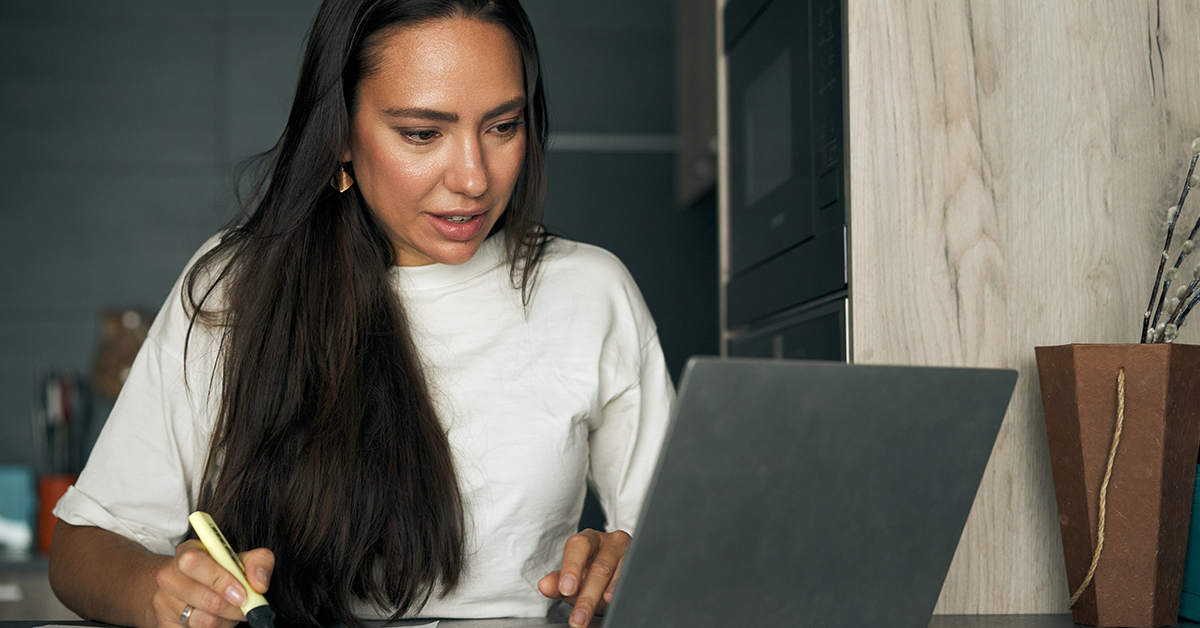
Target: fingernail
[
  {"x": 567, "y": 586},
  {"x": 235, "y": 595},
  {"x": 264, "y": 577},
  {"x": 579, "y": 618}
]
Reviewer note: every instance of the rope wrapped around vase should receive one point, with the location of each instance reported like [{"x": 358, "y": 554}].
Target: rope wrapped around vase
[{"x": 1112, "y": 455}]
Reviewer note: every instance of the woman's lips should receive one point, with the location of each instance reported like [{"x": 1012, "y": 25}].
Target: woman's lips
[{"x": 459, "y": 226}]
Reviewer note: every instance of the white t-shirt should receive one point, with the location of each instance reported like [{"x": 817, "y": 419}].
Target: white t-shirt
[{"x": 535, "y": 401}]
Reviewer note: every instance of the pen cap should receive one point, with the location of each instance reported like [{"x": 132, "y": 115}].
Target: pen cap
[{"x": 261, "y": 617}]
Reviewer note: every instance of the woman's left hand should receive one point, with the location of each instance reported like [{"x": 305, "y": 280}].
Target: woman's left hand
[{"x": 590, "y": 568}]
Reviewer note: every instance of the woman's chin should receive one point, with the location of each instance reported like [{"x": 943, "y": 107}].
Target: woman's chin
[{"x": 448, "y": 252}]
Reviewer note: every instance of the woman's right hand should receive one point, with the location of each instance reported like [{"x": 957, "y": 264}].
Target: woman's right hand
[{"x": 194, "y": 579}]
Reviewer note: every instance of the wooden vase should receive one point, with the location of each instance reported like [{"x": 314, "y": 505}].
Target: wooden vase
[{"x": 1139, "y": 575}]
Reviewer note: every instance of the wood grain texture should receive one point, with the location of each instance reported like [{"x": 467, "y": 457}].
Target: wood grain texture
[{"x": 1010, "y": 163}]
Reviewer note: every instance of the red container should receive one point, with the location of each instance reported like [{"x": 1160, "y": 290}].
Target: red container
[{"x": 50, "y": 489}]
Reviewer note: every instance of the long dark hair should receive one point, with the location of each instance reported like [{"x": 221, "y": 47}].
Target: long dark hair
[{"x": 327, "y": 448}]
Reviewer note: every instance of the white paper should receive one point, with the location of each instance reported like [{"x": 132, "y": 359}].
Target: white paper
[{"x": 429, "y": 625}]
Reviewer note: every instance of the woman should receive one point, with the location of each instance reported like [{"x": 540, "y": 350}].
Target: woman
[{"x": 387, "y": 380}]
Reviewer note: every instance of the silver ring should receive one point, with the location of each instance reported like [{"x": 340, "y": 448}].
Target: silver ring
[{"x": 185, "y": 615}]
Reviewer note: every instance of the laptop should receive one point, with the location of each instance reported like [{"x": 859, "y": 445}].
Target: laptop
[{"x": 800, "y": 493}]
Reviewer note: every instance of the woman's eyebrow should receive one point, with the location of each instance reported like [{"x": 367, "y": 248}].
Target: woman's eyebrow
[
  {"x": 445, "y": 116},
  {"x": 507, "y": 107},
  {"x": 421, "y": 113}
]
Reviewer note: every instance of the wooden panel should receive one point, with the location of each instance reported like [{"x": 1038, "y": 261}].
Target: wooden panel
[{"x": 1010, "y": 163}]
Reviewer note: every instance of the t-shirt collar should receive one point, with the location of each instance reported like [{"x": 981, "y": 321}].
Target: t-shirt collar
[{"x": 489, "y": 255}]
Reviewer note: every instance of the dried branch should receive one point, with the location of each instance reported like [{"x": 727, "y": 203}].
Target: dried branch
[{"x": 1152, "y": 331}]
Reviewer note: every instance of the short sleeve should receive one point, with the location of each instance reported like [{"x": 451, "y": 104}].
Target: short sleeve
[
  {"x": 142, "y": 478},
  {"x": 636, "y": 395},
  {"x": 624, "y": 448}
]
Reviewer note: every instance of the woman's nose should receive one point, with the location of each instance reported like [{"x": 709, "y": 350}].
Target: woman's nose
[{"x": 467, "y": 173}]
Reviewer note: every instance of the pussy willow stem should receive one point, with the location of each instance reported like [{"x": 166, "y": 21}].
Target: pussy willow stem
[
  {"x": 1190, "y": 304},
  {"x": 1149, "y": 324},
  {"x": 1173, "y": 318}
]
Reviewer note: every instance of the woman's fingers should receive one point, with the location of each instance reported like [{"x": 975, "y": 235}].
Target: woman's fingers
[
  {"x": 577, "y": 554},
  {"x": 194, "y": 579},
  {"x": 612, "y": 584},
  {"x": 590, "y": 567},
  {"x": 259, "y": 564},
  {"x": 548, "y": 585},
  {"x": 599, "y": 575},
  {"x": 169, "y": 610},
  {"x": 222, "y": 593},
  {"x": 171, "y": 615}
]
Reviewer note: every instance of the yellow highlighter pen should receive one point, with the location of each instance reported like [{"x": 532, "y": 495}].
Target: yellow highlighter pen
[{"x": 257, "y": 611}]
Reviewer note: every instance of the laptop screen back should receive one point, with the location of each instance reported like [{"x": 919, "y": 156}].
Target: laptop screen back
[{"x": 809, "y": 494}]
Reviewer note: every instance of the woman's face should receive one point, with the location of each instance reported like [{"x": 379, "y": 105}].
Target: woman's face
[{"x": 438, "y": 137}]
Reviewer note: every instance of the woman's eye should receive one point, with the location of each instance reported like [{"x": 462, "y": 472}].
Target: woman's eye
[
  {"x": 420, "y": 136},
  {"x": 509, "y": 128}
]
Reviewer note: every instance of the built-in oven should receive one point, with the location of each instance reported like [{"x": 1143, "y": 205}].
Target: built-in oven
[{"x": 787, "y": 199}]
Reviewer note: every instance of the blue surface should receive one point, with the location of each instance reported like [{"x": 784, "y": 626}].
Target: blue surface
[
  {"x": 1189, "y": 603},
  {"x": 18, "y": 498}
]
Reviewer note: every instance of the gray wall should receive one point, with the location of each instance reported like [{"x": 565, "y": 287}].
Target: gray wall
[
  {"x": 122, "y": 120},
  {"x": 610, "y": 71}
]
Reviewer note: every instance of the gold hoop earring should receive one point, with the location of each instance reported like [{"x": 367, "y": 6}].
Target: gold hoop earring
[{"x": 341, "y": 180}]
